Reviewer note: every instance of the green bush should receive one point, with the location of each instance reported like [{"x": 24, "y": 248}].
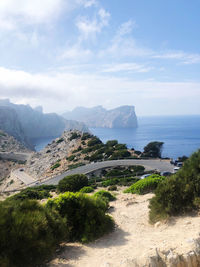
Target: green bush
[
  {"x": 70, "y": 158},
  {"x": 145, "y": 185},
  {"x": 153, "y": 149},
  {"x": 85, "y": 216},
  {"x": 95, "y": 157},
  {"x": 111, "y": 143},
  {"x": 72, "y": 183},
  {"x": 86, "y": 136},
  {"x": 119, "y": 154},
  {"x": 105, "y": 195},
  {"x": 179, "y": 193},
  {"x": 94, "y": 141},
  {"x": 38, "y": 192},
  {"x": 74, "y": 166},
  {"x": 109, "y": 182},
  {"x": 29, "y": 233},
  {"x": 74, "y": 136},
  {"x": 55, "y": 166},
  {"x": 87, "y": 189},
  {"x": 60, "y": 140},
  {"x": 112, "y": 188},
  {"x": 120, "y": 147}
]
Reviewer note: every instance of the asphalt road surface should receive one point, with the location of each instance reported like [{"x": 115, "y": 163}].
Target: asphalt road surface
[{"x": 149, "y": 164}]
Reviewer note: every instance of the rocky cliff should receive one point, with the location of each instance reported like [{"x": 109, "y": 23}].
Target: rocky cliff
[
  {"x": 10, "y": 144},
  {"x": 121, "y": 117},
  {"x": 25, "y": 123}
]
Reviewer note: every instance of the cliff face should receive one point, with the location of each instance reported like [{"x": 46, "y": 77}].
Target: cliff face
[
  {"x": 121, "y": 117},
  {"x": 25, "y": 123},
  {"x": 9, "y": 122},
  {"x": 10, "y": 144}
]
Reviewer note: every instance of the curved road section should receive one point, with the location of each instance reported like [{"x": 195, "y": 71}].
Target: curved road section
[{"x": 149, "y": 164}]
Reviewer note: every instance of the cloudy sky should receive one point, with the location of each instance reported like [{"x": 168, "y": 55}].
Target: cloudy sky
[{"x": 66, "y": 53}]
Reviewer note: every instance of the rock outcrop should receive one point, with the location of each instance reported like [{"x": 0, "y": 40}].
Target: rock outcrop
[
  {"x": 10, "y": 144},
  {"x": 40, "y": 164},
  {"x": 121, "y": 117},
  {"x": 26, "y": 123}
]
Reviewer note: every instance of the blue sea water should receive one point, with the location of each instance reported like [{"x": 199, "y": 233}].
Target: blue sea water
[{"x": 180, "y": 134}]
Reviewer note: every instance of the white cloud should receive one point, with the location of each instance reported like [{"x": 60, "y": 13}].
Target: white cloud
[
  {"x": 76, "y": 52},
  {"x": 123, "y": 45},
  {"x": 127, "y": 67},
  {"x": 28, "y": 11},
  {"x": 126, "y": 28},
  {"x": 185, "y": 58},
  {"x": 89, "y": 27},
  {"x": 58, "y": 91},
  {"x": 89, "y": 3}
]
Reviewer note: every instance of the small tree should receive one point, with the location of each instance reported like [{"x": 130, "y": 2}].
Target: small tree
[{"x": 153, "y": 149}]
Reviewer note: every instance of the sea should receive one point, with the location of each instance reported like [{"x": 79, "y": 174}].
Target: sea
[{"x": 180, "y": 134}]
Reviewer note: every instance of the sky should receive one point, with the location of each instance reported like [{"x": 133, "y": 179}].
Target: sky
[{"x": 66, "y": 53}]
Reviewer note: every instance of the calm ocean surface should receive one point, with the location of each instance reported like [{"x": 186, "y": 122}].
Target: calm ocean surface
[{"x": 180, "y": 134}]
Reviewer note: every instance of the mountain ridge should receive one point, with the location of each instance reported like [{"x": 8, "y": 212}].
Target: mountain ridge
[{"x": 120, "y": 117}]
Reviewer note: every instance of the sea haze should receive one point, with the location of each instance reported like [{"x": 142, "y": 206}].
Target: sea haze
[{"x": 180, "y": 134}]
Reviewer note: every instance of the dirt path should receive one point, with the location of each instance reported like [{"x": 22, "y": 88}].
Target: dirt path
[{"x": 133, "y": 239}]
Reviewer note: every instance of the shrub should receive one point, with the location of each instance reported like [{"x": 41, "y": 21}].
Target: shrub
[
  {"x": 86, "y": 136},
  {"x": 38, "y": 192},
  {"x": 29, "y": 233},
  {"x": 153, "y": 149},
  {"x": 70, "y": 158},
  {"x": 85, "y": 215},
  {"x": 145, "y": 185},
  {"x": 72, "y": 183},
  {"x": 96, "y": 156},
  {"x": 111, "y": 143},
  {"x": 120, "y": 147},
  {"x": 119, "y": 154},
  {"x": 60, "y": 140},
  {"x": 74, "y": 136},
  {"x": 74, "y": 166},
  {"x": 87, "y": 189},
  {"x": 112, "y": 188},
  {"x": 94, "y": 141},
  {"x": 109, "y": 182},
  {"x": 105, "y": 195},
  {"x": 179, "y": 193},
  {"x": 55, "y": 166}
]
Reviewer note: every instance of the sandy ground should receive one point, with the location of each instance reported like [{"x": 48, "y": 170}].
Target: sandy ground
[{"x": 133, "y": 239}]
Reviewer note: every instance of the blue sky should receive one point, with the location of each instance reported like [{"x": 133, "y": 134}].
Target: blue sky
[{"x": 66, "y": 53}]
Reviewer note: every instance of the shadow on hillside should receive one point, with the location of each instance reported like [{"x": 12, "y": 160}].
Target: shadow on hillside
[{"x": 116, "y": 238}]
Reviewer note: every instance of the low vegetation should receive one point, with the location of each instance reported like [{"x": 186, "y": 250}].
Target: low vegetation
[
  {"x": 39, "y": 192},
  {"x": 153, "y": 150},
  {"x": 85, "y": 216},
  {"x": 105, "y": 195},
  {"x": 179, "y": 193},
  {"x": 72, "y": 183},
  {"x": 146, "y": 185},
  {"x": 87, "y": 189},
  {"x": 112, "y": 188},
  {"x": 55, "y": 166},
  {"x": 29, "y": 233}
]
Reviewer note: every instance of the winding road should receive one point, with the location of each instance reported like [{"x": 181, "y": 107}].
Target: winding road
[{"x": 149, "y": 164}]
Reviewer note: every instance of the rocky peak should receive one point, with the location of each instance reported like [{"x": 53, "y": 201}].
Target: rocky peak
[{"x": 121, "y": 117}]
